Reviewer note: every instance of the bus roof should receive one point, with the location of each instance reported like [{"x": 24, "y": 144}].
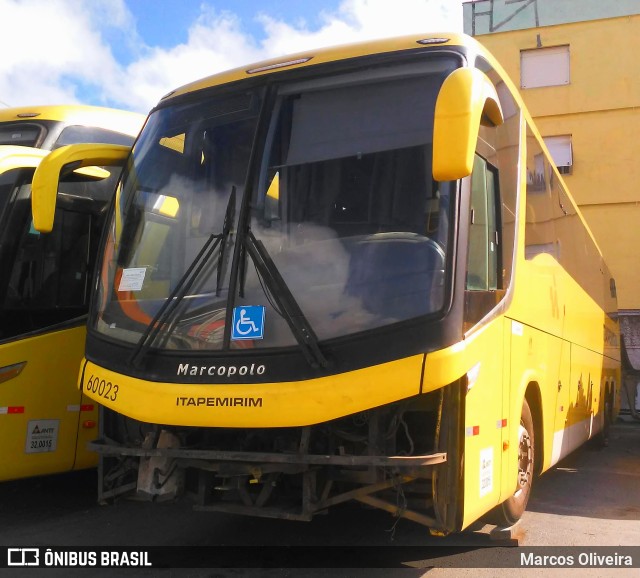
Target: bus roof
[
  {"x": 76, "y": 114},
  {"x": 331, "y": 54}
]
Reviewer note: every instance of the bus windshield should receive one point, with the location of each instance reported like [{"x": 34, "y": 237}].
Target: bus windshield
[{"x": 343, "y": 228}]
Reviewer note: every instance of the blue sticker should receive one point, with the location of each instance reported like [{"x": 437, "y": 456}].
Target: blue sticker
[{"x": 248, "y": 322}]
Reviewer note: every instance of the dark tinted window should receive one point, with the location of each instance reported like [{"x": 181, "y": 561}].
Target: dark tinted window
[
  {"x": 22, "y": 134},
  {"x": 48, "y": 282},
  {"x": 90, "y": 134},
  {"x": 45, "y": 278}
]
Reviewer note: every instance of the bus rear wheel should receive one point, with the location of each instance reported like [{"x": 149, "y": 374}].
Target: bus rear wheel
[{"x": 511, "y": 510}]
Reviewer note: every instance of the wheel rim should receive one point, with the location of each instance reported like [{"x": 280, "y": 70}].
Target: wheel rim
[{"x": 525, "y": 460}]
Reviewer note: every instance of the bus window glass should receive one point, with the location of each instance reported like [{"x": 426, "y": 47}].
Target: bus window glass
[
  {"x": 48, "y": 282},
  {"x": 360, "y": 233},
  {"x": 483, "y": 256},
  {"x": 22, "y": 134},
  {"x": 344, "y": 203},
  {"x": 554, "y": 226},
  {"x": 91, "y": 134},
  {"x": 540, "y": 231},
  {"x": 505, "y": 142},
  {"x": 578, "y": 250},
  {"x": 46, "y": 277},
  {"x": 190, "y": 171},
  {"x": 7, "y": 181}
]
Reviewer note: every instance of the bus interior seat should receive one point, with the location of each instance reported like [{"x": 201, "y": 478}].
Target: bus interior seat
[{"x": 397, "y": 275}]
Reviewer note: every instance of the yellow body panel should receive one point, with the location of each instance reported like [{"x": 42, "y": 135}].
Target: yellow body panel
[
  {"x": 44, "y": 395},
  {"x": 259, "y": 405},
  {"x": 465, "y": 97},
  {"x": 45, "y": 422}
]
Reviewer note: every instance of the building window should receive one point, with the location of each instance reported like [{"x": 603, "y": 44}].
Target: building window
[
  {"x": 544, "y": 67},
  {"x": 561, "y": 152}
]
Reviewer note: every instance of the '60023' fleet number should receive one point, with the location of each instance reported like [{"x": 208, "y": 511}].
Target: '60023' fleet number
[{"x": 102, "y": 388}]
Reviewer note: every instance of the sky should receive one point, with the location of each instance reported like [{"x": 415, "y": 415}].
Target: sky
[{"x": 129, "y": 53}]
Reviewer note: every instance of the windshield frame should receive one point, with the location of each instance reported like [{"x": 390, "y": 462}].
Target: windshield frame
[{"x": 411, "y": 326}]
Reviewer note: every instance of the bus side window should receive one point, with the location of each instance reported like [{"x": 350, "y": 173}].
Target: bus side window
[
  {"x": 49, "y": 281},
  {"x": 483, "y": 257}
]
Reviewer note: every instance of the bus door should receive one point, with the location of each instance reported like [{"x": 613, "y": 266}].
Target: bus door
[
  {"x": 485, "y": 403},
  {"x": 44, "y": 282}
]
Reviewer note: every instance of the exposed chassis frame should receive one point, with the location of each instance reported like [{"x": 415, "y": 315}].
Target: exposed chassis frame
[
  {"x": 433, "y": 480},
  {"x": 406, "y": 469}
]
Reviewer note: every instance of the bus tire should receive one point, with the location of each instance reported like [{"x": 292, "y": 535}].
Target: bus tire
[{"x": 511, "y": 510}]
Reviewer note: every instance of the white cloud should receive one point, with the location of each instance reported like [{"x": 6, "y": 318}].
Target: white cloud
[
  {"x": 215, "y": 43},
  {"x": 51, "y": 46},
  {"x": 58, "y": 51},
  {"x": 358, "y": 20}
]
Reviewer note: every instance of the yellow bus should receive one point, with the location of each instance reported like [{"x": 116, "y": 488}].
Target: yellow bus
[
  {"x": 350, "y": 274},
  {"x": 45, "y": 422},
  {"x": 52, "y": 126}
]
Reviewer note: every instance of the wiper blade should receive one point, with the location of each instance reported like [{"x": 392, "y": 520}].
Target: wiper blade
[
  {"x": 175, "y": 298},
  {"x": 246, "y": 243},
  {"x": 169, "y": 307},
  {"x": 226, "y": 230},
  {"x": 287, "y": 304}
]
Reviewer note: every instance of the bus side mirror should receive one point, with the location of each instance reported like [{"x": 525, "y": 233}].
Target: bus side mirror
[
  {"x": 60, "y": 163},
  {"x": 466, "y": 100}
]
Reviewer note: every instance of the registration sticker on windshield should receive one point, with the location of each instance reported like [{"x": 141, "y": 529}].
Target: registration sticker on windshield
[
  {"x": 132, "y": 279},
  {"x": 42, "y": 436},
  {"x": 248, "y": 322}
]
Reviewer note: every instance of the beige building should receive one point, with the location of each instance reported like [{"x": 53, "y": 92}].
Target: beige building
[{"x": 576, "y": 63}]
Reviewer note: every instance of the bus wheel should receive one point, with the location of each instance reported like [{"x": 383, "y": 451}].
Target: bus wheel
[{"x": 511, "y": 510}]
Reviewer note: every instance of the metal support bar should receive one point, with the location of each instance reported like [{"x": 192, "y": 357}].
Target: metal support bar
[
  {"x": 359, "y": 492},
  {"x": 398, "y": 512},
  {"x": 263, "y": 457},
  {"x": 253, "y": 511}
]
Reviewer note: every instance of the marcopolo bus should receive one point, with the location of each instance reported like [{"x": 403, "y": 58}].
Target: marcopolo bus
[{"x": 351, "y": 274}]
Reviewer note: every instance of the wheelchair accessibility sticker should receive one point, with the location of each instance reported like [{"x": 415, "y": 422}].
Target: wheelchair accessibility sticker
[{"x": 248, "y": 322}]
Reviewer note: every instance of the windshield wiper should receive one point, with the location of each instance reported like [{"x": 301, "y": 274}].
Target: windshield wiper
[
  {"x": 287, "y": 305},
  {"x": 169, "y": 307},
  {"x": 226, "y": 229},
  {"x": 246, "y": 243}
]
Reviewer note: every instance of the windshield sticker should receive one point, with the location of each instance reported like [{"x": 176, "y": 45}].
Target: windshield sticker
[
  {"x": 132, "y": 279},
  {"x": 42, "y": 436},
  {"x": 248, "y": 322}
]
